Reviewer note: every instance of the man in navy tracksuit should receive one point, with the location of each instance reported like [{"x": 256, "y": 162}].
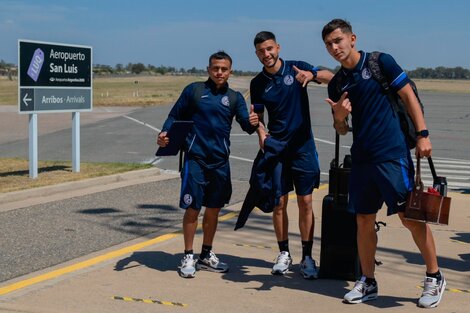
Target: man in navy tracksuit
[
  {"x": 206, "y": 172},
  {"x": 382, "y": 169},
  {"x": 281, "y": 89}
]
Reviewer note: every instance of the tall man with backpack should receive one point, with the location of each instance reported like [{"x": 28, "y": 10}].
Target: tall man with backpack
[
  {"x": 382, "y": 169},
  {"x": 211, "y": 105}
]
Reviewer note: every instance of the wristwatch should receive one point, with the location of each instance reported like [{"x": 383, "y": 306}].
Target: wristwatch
[
  {"x": 314, "y": 71},
  {"x": 423, "y": 133}
]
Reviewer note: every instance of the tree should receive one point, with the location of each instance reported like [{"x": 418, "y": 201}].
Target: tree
[
  {"x": 119, "y": 68},
  {"x": 137, "y": 68}
]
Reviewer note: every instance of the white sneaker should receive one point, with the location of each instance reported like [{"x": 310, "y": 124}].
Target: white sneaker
[
  {"x": 282, "y": 263},
  {"x": 188, "y": 266},
  {"x": 212, "y": 263},
  {"x": 432, "y": 293},
  {"x": 308, "y": 269},
  {"x": 362, "y": 292}
]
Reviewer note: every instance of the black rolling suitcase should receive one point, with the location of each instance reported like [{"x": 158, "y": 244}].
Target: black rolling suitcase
[{"x": 338, "y": 255}]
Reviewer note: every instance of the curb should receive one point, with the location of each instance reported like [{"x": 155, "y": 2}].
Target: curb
[{"x": 77, "y": 185}]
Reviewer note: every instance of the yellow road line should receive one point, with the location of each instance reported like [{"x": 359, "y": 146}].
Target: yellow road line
[
  {"x": 228, "y": 216},
  {"x": 85, "y": 264},
  {"x": 246, "y": 95},
  {"x": 99, "y": 259},
  {"x": 294, "y": 196},
  {"x": 255, "y": 246},
  {"x": 458, "y": 241},
  {"x": 150, "y": 301},
  {"x": 455, "y": 290}
]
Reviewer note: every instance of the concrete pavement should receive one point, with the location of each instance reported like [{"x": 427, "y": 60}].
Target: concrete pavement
[{"x": 140, "y": 276}]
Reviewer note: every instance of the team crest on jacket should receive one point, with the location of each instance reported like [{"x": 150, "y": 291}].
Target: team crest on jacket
[
  {"x": 187, "y": 199},
  {"x": 225, "y": 101},
  {"x": 366, "y": 74},
  {"x": 288, "y": 80}
]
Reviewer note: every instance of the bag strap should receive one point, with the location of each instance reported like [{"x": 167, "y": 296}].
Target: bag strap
[
  {"x": 197, "y": 93},
  {"x": 418, "y": 170},
  {"x": 375, "y": 67},
  {"x": 431, "y": 166},
  {"x": 233, "y": 100},
  {"x": 418, "y": 182}
]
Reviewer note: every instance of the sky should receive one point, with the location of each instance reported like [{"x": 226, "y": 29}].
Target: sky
[{"x": 417, "y": 33}]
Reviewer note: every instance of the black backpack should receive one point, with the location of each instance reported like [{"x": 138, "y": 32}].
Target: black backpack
[
  {"x": 198, "y": 92},
  {"x": 406, "y": 123}
]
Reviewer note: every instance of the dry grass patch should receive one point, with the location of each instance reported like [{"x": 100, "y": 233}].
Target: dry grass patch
[
  {"x": 14, "y": 172},
  {"x": 443, "y": 85},
  {"x": 8, "y": 91},
  {"x": 139, "y": 90},
  {"x": 165, "y": 89}
]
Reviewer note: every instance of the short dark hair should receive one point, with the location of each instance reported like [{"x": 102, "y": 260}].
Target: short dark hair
[
  {"x": 220, "y": 55},
  {"x": 263, "y": 36},
  {"x": 334, "y": 24}
]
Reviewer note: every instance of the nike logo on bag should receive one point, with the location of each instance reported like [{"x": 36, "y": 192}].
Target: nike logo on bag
[
  {"x": 205, "y": 96},
  {"x": 268, "y": 89},
  {"x": 401, "y": 203},
  {"x": 344, "y": 88}
]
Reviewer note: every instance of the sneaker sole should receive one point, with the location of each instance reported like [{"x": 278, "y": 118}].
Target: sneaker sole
[
  {"x": 279, "y": 272},
  {"x": 210, "y": 269},
  {"x": 308, "y": 276},
  {"x": 372, "y": 296},
  {"x": 183, "y": 275},
  {"x": 435, "y": 304}
]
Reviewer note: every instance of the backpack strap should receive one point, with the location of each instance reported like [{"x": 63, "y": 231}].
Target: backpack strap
[
  {"x": 233, "y": 100},
  {"x": 374, "y": 66},
  {"x": 339, "y": 79},
  {"x": 198, "y": 92}
]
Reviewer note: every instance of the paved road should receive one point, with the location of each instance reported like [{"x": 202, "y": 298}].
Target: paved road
[
  {"x": 130, "y": 137},
  {"x": 43, "y": 235}
]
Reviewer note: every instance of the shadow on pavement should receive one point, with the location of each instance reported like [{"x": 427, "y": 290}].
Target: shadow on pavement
[{"x": 240, "y": 273}]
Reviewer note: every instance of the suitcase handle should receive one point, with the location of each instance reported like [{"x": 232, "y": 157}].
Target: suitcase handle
[
  {"x": 337, "y": 150},
  {"x": 337, "y": 147}
]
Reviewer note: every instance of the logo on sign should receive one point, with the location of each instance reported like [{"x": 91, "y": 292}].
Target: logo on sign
[{"x": 36, "y": 64}]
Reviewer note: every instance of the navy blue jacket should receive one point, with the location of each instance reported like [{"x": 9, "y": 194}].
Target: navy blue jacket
[
  {"x": 208, "y": 142},
  {"x": 265, "y": 180}
]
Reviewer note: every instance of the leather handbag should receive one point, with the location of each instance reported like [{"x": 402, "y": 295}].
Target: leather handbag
[{"x": 429, "y": 206}]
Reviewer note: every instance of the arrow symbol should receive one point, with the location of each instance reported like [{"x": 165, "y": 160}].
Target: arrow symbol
[{"x": 26, "y": 99}]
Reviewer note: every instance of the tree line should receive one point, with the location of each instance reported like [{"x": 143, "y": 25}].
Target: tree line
[
  {"x": 439, "y": 72},
  {"x": 140, "y": 68}
]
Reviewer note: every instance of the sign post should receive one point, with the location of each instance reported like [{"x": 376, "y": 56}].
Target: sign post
[
  {"x": 54, "y": 78},
  {"x": 33, "y": 145}
]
